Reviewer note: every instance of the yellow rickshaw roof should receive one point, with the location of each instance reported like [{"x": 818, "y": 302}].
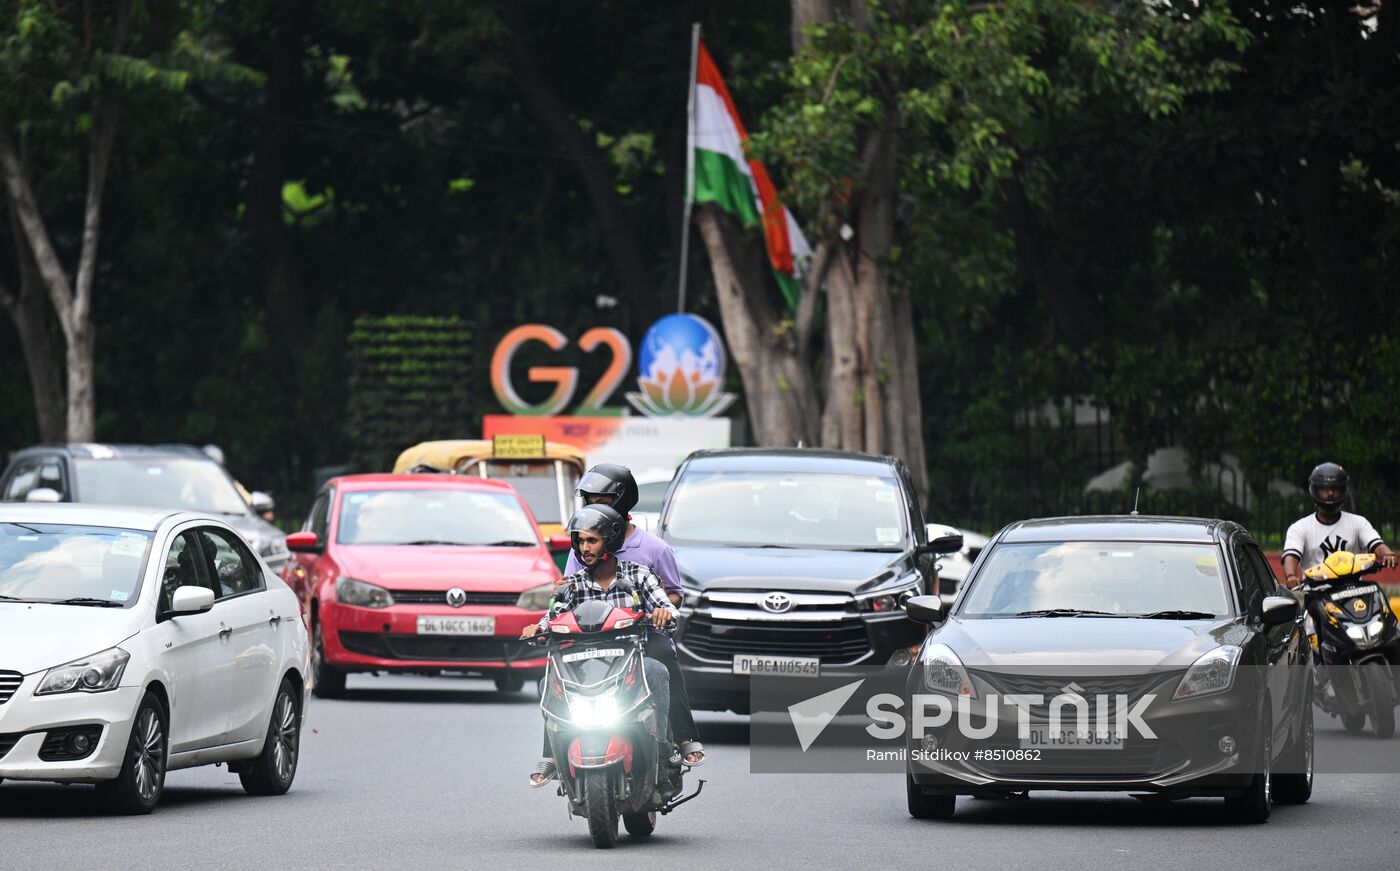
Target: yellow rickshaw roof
[{"x": 446, "y": 454}]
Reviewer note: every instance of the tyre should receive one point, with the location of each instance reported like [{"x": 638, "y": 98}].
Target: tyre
[
  {"x": 1294, "y": 786},
  {"x": 1382, "y": 692},
  {"x": 1354, "y": 723},
  {"x": 138, "y": 787},
  {"x": 272, "y": 772},
  {"x": 510, "y": 682},
  {"x": 327, "y": 681},
  {"x": 927, "y": 807},
  {"x": 639, "y": 825},
  {"x": 1254, "y": 804},
  {"x": 601, "y": 806}
]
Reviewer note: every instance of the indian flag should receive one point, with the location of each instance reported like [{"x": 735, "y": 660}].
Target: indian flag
[{"x": 725, "y": 174}]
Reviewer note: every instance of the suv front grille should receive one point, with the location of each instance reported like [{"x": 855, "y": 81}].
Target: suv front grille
[
  {"x": 435, "y": 648},
  {"x": 439, "y": 597},
  {"x": 9, "y": 682},
  {"x": 833, "y": 642}
]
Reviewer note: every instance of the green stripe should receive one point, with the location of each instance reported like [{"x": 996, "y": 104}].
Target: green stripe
[
  {"x": 791, "y": 288},
  {"x": 718, "y": 179}
]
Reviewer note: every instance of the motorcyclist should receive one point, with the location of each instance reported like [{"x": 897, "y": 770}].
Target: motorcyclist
[
  {"x": 612, "y": 484},
  {"x": 597, "y": 532},
  {"x": 1313, "y": 538}
]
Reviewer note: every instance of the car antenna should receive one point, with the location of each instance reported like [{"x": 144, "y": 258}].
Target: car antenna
[{"x": 1136, "y": 496}]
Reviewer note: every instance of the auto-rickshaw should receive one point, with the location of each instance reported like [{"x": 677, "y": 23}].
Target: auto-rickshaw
[{"x": 545, "y": 473}]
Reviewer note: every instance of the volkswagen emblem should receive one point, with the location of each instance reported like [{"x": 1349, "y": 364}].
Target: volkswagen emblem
[
  {"x": 456, "y": 597},
  {"x": 776, "y": 603}
]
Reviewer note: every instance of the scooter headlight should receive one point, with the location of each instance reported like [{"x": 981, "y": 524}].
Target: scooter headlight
[
  {"x": 599, "y": 710},
  {"x": 1368, "y": 634}
]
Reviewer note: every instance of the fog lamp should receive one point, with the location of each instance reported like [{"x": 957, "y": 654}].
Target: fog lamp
[{"x": 1227, "y": 745}]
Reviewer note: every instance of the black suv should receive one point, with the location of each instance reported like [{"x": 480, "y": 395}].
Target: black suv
[
  {"x": 180, "y": 477},
  {"x": 795, "y": 562}
]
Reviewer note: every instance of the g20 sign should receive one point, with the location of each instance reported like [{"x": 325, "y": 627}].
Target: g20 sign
[{"x": 682, "y": 365}]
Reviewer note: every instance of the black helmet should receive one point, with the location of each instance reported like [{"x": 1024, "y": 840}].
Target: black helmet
[
  {"x": 602, "y": 519},
  {"x": 610, "y": 479},
  {"x": 1328, "y": 476}
]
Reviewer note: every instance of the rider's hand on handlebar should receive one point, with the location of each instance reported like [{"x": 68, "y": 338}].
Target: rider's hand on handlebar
[
  {"x": 530, "y": 631},
  {"x": 1386, "y": 559},
  {"x": 660, "y": 618}
]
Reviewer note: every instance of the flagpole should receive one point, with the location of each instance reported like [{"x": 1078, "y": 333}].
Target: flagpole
[{"x": 689, "y": 165}]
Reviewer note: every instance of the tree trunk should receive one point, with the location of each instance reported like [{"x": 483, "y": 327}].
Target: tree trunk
[
  {"x": 635, "y": 278},
  {"x": 274, "y": 152},
  {"x": 778, "y": 388},
  {"x": 28, "y": 311},
  {"x": 1074, "y": 316}
]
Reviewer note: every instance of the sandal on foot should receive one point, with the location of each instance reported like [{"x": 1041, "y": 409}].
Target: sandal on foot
[
  {"x": 689, "y": 747},
  {"x": 547, "y": 769}
]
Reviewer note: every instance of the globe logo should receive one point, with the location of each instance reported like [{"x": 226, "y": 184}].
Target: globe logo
[{"x": 681, "y": 363}]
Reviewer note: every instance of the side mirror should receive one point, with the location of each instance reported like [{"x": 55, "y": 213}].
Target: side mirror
[
  {"x": 560, "y": 542},
  {"x": 304, "y": 542},
  {"x": 43, "y": 494},
  {"x": 942, "y": 539},
  {"x": 924, "y": 609},
  {"x": 1279, "y": 609},
  {"x": 261, "y": 502},
  {"x": 190, "y": 600}
]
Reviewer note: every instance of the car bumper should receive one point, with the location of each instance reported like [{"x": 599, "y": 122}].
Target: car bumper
[
  {"x": 387, "y": 639},
  {"x": 27, "y": 719},
  {"x": 1184, "y": 759},
  {"x": 713, "y": 685}
]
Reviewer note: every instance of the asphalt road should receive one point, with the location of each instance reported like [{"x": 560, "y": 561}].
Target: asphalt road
[{"x": 431, "y": 773}]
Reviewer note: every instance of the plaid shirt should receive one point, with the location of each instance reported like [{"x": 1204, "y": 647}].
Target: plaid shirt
[{"x": 630, "y": 576}]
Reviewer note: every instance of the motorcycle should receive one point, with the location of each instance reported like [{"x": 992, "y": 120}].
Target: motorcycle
[
  {"x": 1355, "y": 637},
  {"x": 602, "y": 722}
]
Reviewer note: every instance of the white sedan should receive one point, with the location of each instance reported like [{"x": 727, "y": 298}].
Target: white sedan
[{"x": 136, "y": 641}]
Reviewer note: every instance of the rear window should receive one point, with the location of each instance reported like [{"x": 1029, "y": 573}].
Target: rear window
[{"x": 1127, "y": 578}]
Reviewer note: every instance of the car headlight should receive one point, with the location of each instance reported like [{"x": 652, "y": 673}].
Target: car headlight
[
  {"x": 944, "y": 672},
  {"x": 536, "y": 599},
  {"x": 690, "y": 599},
  {"x": 349, "y": 591},
  {"x": 597, "y": 710},
  {"x": 93, "y": 674},
  {"x": 887, "y": 600},
  {"x": 1213, "y": 672}
]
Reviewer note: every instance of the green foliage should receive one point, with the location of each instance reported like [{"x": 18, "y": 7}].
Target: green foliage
[{"x": 410, "y": 381}]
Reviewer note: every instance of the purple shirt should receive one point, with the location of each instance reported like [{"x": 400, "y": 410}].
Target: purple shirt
[{"x": 644, "y": 549}]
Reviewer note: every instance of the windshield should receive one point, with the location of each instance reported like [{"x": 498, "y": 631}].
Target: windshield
[
  {"x": 787, "y": 509},
  {"x": 165, "y": 482},
  {"x": 537, "y": 483},
  {"x": 47, "y": 562},
  {"x": 1127, "y": 578},
  {"x": 651, "y": 496},
  {"x": 433, "y": 516}
]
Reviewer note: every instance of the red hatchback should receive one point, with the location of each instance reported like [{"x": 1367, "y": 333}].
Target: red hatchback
[{"x": 421, "y": 574}]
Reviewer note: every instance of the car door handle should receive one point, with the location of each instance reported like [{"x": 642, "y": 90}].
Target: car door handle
[
  {"x": 226, "y": 632},
  {"x": 274, "y": 622}
]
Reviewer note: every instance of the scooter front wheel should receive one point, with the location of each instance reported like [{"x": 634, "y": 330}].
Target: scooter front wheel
[
  {"x": 1382, "y": 693},
  {"x": 601, "y": 805}
]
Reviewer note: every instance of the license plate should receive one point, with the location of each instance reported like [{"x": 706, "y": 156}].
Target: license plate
[
  {"x": 1042, "y": 738},
  {"x": 778, "y": 666},
  {"x": 456, "y": 625}
]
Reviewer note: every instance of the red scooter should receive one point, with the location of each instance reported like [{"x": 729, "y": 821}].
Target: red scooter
[{"x": 602, "y": 722}]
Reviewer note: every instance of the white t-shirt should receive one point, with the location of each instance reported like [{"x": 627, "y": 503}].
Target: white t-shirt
[{"x": 1312, "y": 541}]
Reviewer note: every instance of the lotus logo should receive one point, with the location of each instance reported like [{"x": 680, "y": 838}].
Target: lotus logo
[
  {"x": 456, "y": 597},
  {"x": 681, "y": 369},
  {"x": 776, "y": 603}
]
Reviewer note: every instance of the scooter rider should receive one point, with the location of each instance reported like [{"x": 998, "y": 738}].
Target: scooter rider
[
  {"x": 1329, "y": 529},
  {"x": 613, "y": 484},
  {"x": 597, "y": 532}
]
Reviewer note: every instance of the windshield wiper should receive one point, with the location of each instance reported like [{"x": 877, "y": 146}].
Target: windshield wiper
[
  {"x": 1171, "y": 614},
  {"x": 88, "y": 600},
  {"x": 12, "y": 598},
  {"x": 510, "y": 542},
  {"x": 1065, "y": 612},
  {"x": 428, "y": 541}
]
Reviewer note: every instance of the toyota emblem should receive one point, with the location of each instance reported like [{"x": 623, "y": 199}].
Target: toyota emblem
[
  {"x": 456, "y": 597},
  {"x": 776, "y": 603}
]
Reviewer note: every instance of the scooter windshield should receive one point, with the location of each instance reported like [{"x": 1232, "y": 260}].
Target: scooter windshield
[{"x": 592, "y": 615}]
